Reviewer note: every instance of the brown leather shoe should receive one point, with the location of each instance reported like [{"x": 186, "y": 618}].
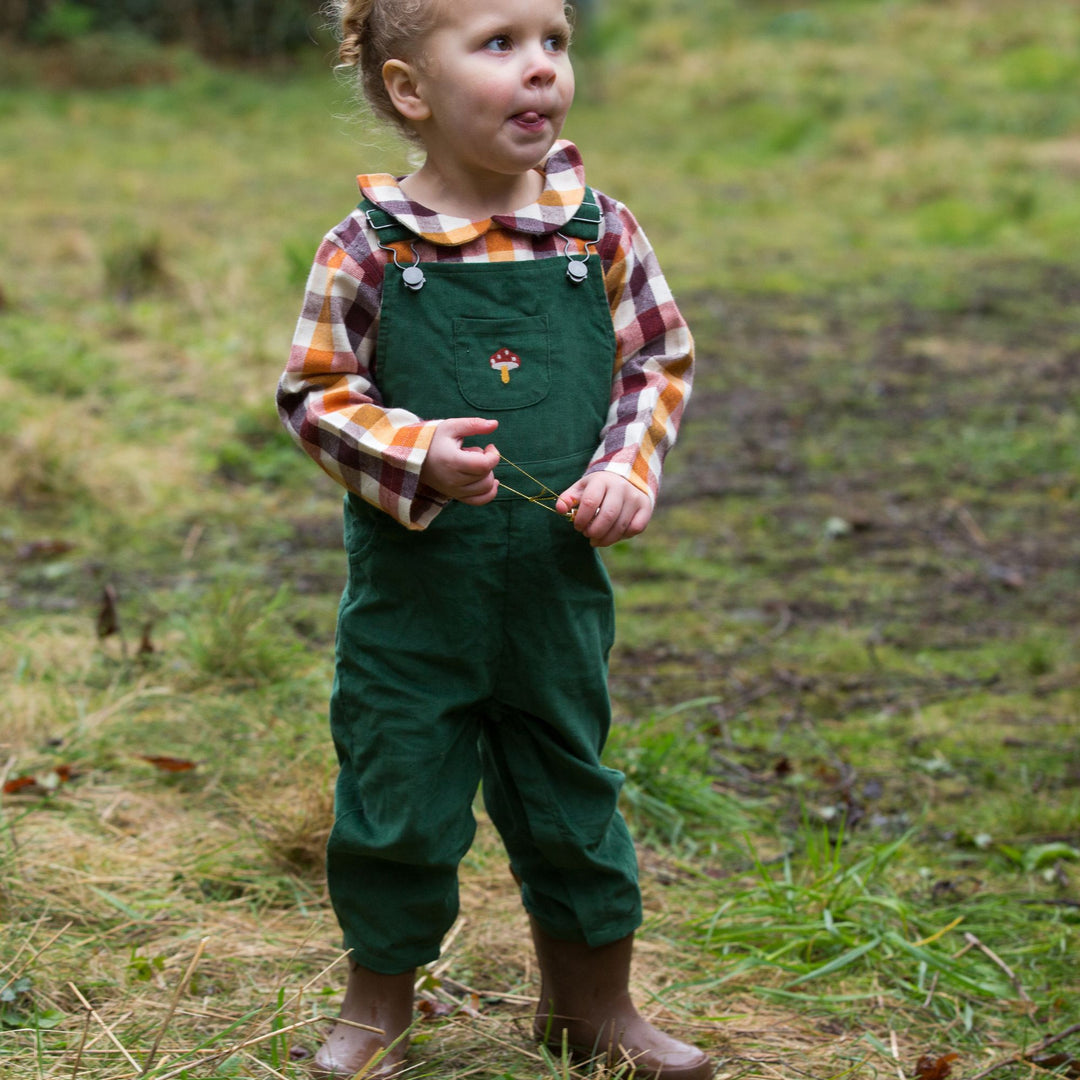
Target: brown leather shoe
[
  {"x": 383, "y": 1007},
  {"x": 585, "y": 999}
]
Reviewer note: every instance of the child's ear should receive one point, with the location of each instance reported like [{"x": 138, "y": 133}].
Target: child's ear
[{"x": 404, "y": 90}]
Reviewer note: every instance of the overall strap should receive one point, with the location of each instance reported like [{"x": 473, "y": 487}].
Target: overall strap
[
  {"x": 585, "y": 224},
  {"x": 388, "y": 229}
]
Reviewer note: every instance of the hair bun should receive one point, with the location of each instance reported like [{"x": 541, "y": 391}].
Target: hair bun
[
  {"x": 355, "y": 16},
  {"x": 350, "y": 49}
]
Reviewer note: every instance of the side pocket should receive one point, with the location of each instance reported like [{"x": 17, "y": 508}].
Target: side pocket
[{"x": 361, "y": 527}]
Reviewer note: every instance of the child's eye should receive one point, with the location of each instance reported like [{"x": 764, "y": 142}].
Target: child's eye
[
  {"x": 556, "y": 43},
  {"x": 499, "y": 43}
]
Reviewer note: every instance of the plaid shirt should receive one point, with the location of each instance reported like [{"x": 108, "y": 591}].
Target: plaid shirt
[{"x": 332, "y": 407}]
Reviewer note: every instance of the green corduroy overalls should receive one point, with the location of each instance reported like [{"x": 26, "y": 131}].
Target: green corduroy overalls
[{"x": 476, "y": 649}]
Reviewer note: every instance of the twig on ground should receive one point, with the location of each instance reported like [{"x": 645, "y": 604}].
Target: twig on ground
[
  {"x": 82, "y": 1045},
  {"x": 490, "y": 1036},
  {"x": 103, "y": 1035},
  {"x": 37, "y": 953},
  {"x": 493, "y": 995},
  {"x": 198, "y": 1014},
  {"x": 953, "y": 508},
  {"x": 238, "y": 1047},
  {"x": 181, "y": 986},
  {"x": 339, "y": 1020},
  {"x": 895, "y": 1047},
  {"x": 29, "y": 937},
  {"x": 445, "y": 960},
  {"x": 329, "y": 967},
  {"x": 1024, "y": 1055},
  {"x": 971, "y": 939},
  {"x": 108, "y": 1030},
  {"x": 933, "y": 987},
  {"x": 265, "y": 1065}
]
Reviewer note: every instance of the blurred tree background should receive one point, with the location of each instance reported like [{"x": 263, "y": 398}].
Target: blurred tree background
[
  {"x": 240, "y": 28},
  {"x": 217, "y": 28}
]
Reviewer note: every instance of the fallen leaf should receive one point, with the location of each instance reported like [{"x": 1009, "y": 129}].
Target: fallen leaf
[
  {"x": 435, "y": 1010},
  {"x": 43, "y": 549},
  {"x": 169, "y": 764},
  {"x": 19, "y": 783},
  {"x": 1064, "y": 1064},
  {"x": 931, "y": 1068},
  {"x": 41, "y": 782}
]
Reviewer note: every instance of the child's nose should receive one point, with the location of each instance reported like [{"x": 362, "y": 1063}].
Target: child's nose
[{"x": 539, "y": 69}]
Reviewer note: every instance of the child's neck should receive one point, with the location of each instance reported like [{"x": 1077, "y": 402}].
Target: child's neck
[{"x": 475, "y": 199}]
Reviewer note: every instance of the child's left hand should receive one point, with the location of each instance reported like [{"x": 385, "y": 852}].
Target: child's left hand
[{"x": 609, "y": 508}]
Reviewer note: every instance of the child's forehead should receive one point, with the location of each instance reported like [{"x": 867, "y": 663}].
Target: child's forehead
[{"x": 445, "y": 12}]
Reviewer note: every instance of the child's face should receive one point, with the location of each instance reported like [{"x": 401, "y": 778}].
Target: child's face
[{"x": 497, "y": 82}]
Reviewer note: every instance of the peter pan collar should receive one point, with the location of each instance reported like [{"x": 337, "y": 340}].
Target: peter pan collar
[{"x": 562, "y": 195}]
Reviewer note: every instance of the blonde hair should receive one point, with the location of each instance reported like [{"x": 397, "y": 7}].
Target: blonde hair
[{"x": 374, "y": 31}]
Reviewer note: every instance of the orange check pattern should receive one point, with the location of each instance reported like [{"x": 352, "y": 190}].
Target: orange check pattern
[{"x": 330, "y": 402}]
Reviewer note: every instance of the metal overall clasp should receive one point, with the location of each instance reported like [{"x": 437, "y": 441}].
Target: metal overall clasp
[
  {"x": 577, "y": 269},
  {"x": 411, "y": 276}
]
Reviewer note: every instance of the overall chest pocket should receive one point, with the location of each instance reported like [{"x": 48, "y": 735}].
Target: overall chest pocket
[{"x": 502, "y": 363}]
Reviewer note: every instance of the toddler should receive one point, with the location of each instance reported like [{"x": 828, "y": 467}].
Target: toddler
[{"x": 490, "y": 362}]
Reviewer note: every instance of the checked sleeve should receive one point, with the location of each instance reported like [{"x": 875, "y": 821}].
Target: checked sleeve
[
  {"x": 653, "y": 358},
  {"x": 327, "y": 397}
]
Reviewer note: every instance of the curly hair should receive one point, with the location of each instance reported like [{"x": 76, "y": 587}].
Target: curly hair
[{"x": 374, "y": 31}]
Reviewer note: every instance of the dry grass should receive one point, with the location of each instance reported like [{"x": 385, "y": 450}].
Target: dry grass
[
  {"x": 195, "y": 921},
  {"x": 112, "y": 893},
  {"x": 194, "y": 918},
  {"x": 114, "y": 913}
]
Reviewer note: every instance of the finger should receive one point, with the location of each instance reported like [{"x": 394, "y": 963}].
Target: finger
[
  {"x": 607, "y": 534},
  {"x": 605, "y": 518},
  {"x": 473, "y": 483},
  {"x": 569, "y": 498},
  {"x": 479, "y": 500},
  {"x": 461, "y": 427},
  {"x": 481, "y": 491},
  {"x": 639, "y": 521},
  {"x": 588, "y": 508}
]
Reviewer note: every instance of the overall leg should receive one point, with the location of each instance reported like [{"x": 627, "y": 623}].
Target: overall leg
[
  {"x": 570, "y": 848},
  {"x": 556, "y": 807},
  {"x": 392, "y": 865},
  {"x": 405, "y": 734},
  {"x": 554, "y": 803}
]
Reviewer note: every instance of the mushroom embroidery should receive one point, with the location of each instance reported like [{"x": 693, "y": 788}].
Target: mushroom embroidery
[{"x": 504, "y": 361}]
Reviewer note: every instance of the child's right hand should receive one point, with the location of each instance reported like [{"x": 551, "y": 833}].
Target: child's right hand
[{"x": 465, "y": 473}]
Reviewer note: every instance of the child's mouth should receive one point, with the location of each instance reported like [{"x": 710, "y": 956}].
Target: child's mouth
[{"x": 530, "y": 119}]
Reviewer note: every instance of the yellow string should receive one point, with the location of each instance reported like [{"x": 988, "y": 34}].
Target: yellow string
[{"x": 538, "y": 499}]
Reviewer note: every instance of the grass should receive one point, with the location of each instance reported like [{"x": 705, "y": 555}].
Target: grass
[{"x": 845, "y": 680}]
